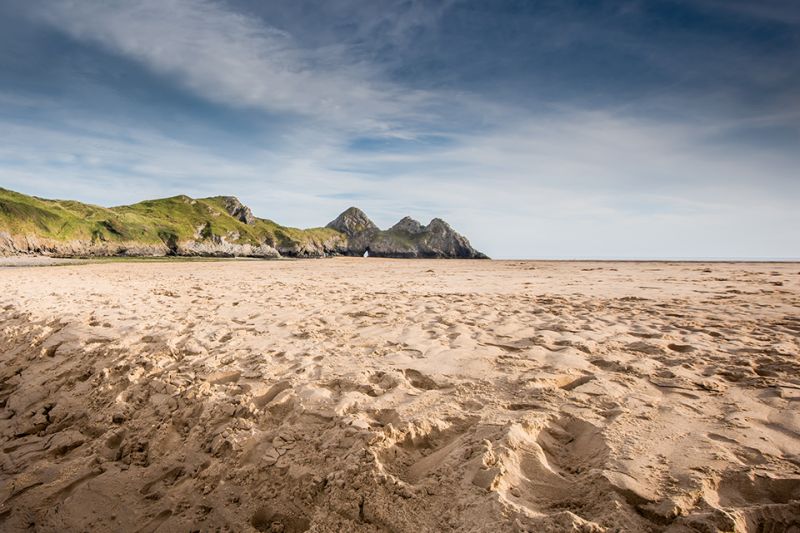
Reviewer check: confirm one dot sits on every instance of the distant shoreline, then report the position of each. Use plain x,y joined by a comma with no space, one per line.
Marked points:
22,260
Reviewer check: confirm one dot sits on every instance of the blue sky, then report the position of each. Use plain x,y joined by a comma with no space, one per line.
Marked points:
540,129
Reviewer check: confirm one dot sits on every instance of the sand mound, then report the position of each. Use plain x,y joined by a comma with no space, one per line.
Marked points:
378,395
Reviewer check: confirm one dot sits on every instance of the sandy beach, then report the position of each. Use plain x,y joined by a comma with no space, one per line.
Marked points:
388,395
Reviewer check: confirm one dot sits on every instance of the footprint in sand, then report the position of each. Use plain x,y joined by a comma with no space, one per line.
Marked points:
420,380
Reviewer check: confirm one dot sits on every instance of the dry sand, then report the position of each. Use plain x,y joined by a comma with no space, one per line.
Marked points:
381,395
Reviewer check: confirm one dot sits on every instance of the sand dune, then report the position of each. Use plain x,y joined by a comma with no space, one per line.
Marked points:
381,395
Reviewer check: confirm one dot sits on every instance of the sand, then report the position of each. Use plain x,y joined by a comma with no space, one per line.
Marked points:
391,395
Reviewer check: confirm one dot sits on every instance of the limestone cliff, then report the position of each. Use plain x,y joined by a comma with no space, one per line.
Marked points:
407,238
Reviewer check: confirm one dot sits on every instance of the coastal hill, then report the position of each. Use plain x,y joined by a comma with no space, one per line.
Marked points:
219,226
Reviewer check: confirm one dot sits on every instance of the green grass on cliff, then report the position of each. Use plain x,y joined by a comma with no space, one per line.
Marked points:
174,219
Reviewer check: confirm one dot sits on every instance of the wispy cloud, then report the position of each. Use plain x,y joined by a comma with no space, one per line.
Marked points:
236,60
537,188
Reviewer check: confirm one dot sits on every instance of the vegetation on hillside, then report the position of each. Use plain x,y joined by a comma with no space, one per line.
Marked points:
166,220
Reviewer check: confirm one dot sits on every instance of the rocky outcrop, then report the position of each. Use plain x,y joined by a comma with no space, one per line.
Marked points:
35,245
218,247
408,225
353,222
408,238
238,210
314,247
225,249
440,240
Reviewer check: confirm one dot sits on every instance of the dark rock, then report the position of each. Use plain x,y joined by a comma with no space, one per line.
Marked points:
407,238
408,225
238,210
353,222
440,240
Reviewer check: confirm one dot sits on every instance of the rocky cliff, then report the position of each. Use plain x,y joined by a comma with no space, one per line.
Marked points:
237,210
220,226
407,238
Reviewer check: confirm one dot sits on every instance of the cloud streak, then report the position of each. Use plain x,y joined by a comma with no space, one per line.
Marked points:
236,61
538,190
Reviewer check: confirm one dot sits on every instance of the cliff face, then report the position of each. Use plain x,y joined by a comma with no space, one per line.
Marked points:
238,210
407,238
219,227
31,244
409,225
353,222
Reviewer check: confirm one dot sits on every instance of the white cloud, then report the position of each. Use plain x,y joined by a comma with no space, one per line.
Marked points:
576,185
238,61
592,184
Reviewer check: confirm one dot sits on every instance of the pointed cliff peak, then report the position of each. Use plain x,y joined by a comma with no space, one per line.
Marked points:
409,225
437,225
444,241
238,210
352,222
